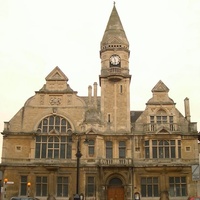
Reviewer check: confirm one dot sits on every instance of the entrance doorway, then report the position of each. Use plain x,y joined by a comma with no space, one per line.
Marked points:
115,190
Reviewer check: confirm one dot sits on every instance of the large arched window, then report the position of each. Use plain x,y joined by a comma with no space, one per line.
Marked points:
163,149
53,140
53,122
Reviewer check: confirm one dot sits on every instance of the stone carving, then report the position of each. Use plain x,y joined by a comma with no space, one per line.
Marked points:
41,99
69,100
55,101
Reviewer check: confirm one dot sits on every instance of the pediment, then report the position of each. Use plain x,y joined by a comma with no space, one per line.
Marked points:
56,74
163,130
160,87
160,95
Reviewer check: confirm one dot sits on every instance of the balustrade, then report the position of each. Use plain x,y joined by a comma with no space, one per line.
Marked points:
115,70
151,127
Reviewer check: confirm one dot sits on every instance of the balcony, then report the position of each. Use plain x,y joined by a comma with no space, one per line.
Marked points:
115,74
115,70
153,127
116,162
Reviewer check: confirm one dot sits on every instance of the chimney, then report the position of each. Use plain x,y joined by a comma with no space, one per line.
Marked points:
89,95
95,94
187,108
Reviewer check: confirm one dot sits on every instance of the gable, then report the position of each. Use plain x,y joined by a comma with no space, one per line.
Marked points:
160,87
56,74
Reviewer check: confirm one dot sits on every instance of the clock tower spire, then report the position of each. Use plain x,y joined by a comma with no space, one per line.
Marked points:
115,78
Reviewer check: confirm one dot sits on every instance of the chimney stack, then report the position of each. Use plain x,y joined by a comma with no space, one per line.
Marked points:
187,109
95,94
89,95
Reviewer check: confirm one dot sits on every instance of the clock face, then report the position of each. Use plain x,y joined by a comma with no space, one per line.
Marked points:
115,59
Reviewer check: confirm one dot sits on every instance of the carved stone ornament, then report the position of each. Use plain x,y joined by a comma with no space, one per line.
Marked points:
55,101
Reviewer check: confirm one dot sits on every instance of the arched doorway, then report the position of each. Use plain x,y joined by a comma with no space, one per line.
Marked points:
115,189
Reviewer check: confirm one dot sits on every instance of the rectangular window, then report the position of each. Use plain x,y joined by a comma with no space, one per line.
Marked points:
171,122
187,149
171,119
91,147
165,149
161,119
41,186
158,119
62,186
53,147
149,187
23,188
121,89
146,146
152,125
122,149
90,186
173,148
177,186
164,119
151,119
109,149
179,148
109,118
154,149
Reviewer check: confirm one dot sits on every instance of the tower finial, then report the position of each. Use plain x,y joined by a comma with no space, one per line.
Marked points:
114,3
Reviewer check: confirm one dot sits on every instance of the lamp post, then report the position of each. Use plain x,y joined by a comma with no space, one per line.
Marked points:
28,188
78,156
78,196
5,187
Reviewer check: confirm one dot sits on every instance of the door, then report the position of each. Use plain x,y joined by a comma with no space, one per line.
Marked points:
115,193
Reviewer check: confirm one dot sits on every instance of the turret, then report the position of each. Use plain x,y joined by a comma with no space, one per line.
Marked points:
114,51
115,77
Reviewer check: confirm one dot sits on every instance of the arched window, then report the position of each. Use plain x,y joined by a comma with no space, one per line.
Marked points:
163,149
53,122
53,140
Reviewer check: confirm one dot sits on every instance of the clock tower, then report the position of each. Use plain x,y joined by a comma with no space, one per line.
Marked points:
115,78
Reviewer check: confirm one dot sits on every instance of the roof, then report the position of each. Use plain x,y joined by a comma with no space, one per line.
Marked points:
135,115
114,33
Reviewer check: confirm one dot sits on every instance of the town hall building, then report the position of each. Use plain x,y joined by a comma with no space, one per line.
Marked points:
94,147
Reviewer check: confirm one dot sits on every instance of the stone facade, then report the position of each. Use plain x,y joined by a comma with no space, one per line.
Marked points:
128,155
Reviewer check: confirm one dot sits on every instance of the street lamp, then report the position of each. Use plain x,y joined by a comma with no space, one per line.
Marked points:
78,196
28,190
5,187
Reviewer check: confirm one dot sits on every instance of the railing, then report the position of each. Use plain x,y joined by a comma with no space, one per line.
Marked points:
166,161
70,162
116,161
115,70
151,127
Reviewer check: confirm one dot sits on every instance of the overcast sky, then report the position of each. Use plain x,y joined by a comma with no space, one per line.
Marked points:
38,35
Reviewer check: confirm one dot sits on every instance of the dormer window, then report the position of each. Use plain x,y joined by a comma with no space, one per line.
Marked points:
161,118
